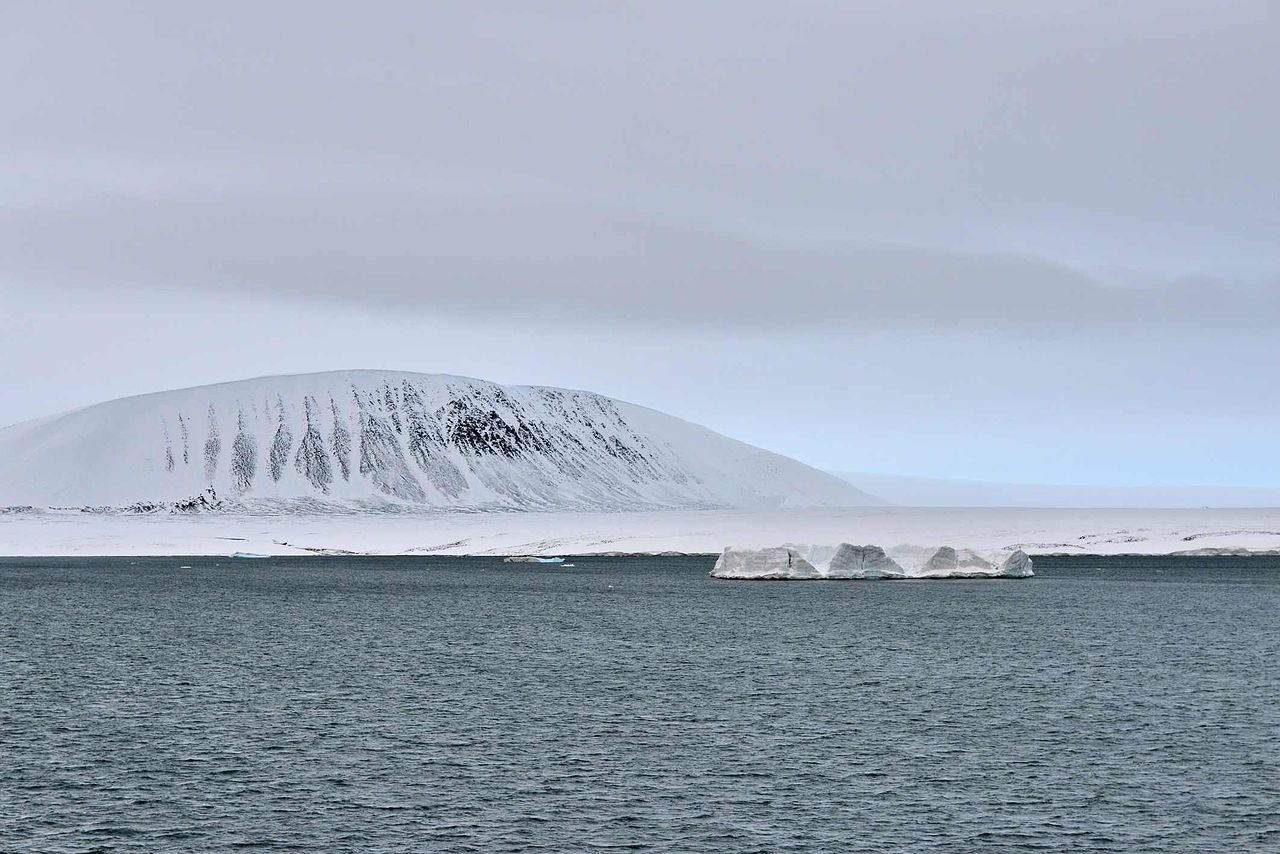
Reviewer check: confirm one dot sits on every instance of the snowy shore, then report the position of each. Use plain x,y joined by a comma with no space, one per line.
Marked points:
1035,531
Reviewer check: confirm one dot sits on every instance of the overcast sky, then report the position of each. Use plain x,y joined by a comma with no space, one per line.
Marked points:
1007,241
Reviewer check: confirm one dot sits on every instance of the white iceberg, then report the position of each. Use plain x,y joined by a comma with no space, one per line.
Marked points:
780,563
846,561
850,561
948,562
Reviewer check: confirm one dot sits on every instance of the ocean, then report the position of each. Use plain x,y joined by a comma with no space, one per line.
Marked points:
463,704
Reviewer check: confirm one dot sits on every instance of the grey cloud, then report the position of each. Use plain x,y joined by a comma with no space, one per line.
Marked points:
1138,124
548,259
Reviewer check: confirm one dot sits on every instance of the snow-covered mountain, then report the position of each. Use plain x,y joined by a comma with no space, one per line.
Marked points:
387,439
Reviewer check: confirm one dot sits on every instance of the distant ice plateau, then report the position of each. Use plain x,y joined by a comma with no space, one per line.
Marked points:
848,562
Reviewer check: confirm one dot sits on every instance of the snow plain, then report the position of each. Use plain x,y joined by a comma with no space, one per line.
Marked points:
1035,531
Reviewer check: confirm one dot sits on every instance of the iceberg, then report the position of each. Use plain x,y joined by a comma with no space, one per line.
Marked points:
780,563
849,561
793,562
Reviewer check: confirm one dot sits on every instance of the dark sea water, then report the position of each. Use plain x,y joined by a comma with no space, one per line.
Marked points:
434,704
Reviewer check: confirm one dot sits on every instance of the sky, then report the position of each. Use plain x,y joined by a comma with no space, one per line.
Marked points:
1022,241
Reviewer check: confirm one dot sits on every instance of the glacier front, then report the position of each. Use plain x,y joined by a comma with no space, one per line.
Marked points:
794,562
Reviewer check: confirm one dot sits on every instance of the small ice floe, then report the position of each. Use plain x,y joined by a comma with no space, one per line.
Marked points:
845,561
531,559
249,554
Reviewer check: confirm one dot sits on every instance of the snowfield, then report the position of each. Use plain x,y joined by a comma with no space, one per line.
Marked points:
704,532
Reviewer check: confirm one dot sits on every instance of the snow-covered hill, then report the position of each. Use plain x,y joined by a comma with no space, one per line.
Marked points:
389,439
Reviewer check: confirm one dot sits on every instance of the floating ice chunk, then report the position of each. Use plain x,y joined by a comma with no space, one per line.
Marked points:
948,562
940,561
851,561
779,563
1017,564
847,561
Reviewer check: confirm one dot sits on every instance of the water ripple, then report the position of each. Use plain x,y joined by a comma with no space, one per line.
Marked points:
634,705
